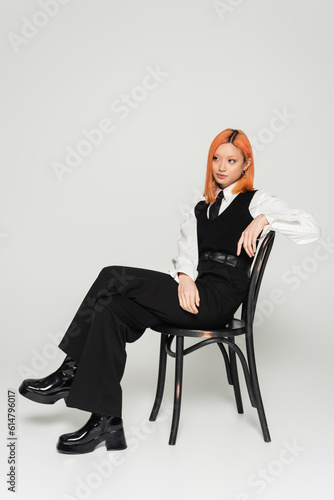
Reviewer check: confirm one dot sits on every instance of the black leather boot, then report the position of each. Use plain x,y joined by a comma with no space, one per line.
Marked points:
49,389
99,428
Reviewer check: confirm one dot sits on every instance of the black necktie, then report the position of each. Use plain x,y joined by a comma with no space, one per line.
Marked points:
214,209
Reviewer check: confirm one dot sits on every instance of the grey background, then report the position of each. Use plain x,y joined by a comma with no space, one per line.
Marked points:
239,65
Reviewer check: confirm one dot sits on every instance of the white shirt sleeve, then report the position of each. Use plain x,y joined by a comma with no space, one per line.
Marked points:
187,259
297,225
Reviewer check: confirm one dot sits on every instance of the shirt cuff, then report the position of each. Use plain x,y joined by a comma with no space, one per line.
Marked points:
187,269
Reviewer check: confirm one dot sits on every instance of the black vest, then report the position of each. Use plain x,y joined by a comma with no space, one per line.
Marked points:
223,233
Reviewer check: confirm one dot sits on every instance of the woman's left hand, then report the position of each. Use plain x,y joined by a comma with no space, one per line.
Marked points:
249,235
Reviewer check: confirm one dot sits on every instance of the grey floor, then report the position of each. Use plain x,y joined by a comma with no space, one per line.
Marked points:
218,455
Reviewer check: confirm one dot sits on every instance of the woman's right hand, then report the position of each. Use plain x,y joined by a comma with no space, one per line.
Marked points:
188,293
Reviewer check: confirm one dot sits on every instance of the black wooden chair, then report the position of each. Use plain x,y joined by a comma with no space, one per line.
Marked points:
225,336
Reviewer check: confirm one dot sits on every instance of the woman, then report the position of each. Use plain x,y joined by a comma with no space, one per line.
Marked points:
209,281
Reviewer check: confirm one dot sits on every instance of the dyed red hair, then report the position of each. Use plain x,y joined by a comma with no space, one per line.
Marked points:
239,139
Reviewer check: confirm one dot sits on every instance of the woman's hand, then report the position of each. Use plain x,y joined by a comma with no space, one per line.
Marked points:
249,235
188,293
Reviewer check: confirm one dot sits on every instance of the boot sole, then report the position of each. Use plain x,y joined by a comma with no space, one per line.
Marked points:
42,398
113,441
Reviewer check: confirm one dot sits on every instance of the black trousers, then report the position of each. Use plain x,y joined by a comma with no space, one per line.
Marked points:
122,302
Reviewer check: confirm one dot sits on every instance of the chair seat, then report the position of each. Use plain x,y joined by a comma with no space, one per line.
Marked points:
233,328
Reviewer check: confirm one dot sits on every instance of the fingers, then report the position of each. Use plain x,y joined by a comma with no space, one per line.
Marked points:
250,244
240,242
197,297
188,300
249,236
190,304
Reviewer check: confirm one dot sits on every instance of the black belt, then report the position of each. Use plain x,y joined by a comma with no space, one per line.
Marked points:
225,258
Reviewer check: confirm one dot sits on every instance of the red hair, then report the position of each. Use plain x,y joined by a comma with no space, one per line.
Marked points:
239,139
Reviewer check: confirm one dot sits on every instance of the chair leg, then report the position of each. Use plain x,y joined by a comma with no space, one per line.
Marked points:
235,379
256,388
161,378
227,362
260,410
177,389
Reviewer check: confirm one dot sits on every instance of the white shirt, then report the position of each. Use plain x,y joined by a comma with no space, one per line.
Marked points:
297,225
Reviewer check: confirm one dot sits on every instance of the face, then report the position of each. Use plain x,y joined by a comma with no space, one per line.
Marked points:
227,164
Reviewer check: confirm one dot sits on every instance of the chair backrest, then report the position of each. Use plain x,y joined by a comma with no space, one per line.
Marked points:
249,304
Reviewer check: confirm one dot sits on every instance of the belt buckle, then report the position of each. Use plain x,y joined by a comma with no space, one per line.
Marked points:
205,256
231,260
224,259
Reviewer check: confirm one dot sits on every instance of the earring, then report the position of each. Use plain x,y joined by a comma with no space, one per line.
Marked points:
244,172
